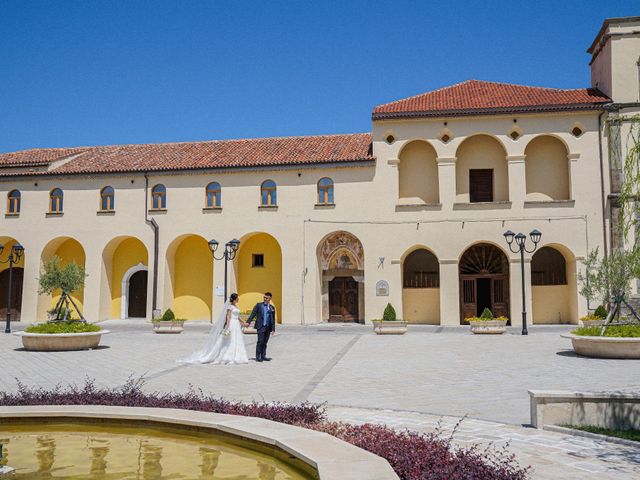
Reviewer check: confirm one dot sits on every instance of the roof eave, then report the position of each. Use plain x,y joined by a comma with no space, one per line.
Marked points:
488,111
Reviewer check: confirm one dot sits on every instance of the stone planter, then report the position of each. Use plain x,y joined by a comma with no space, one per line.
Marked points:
52,342
396,327
169,326
592,323
605,347
488,327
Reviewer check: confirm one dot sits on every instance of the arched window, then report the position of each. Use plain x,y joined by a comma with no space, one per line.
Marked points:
107,199
13,202
268,193
159,197
214,197
548,267
325,191
55,201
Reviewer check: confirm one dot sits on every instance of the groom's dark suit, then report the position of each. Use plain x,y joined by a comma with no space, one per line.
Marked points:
265,318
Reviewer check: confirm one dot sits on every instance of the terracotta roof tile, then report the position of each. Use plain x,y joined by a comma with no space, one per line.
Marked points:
251,153
478,97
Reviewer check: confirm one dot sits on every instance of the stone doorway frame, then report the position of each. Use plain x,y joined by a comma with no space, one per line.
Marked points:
124,299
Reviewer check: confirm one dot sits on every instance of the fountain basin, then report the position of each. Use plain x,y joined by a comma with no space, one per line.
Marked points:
323,456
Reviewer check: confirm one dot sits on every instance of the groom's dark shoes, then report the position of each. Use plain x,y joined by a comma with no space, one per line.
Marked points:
266,359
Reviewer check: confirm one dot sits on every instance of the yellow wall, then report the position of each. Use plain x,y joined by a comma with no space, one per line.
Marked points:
482,151
421,305
70,251
253,282
129,253
9,242
418,173
547,169
552,304
193,280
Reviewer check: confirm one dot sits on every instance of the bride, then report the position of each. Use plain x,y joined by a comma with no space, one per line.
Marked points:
225,344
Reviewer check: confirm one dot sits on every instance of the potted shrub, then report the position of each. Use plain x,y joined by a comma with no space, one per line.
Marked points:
486,323
168,323
595,319
62,331
389,325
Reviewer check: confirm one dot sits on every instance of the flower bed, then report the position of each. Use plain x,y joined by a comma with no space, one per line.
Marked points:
619,331
63,327
413,455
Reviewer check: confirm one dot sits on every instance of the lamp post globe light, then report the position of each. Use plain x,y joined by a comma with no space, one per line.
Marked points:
229,253
520,241
15,253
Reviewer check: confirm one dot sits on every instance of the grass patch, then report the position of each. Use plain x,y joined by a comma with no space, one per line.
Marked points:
63,327
626,434
627,331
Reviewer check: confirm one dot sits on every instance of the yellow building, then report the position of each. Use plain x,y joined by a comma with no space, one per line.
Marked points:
337,226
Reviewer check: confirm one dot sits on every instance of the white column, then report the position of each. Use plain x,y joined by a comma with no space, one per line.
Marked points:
29,311
449,293
91,301
447,181
573,174
517,179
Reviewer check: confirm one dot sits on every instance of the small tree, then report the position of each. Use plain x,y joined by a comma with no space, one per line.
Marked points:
67,279
389,314
487,314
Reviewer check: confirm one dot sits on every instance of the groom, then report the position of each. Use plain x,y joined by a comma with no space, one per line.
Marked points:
265,317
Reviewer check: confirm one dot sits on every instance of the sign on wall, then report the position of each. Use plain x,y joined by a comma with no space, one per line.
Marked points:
382,288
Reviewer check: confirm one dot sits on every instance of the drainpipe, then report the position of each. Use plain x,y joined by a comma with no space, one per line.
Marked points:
603,197
156,243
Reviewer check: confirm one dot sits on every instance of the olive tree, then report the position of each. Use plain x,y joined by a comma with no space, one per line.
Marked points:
67,279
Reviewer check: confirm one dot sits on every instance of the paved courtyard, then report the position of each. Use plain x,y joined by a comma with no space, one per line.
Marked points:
408,381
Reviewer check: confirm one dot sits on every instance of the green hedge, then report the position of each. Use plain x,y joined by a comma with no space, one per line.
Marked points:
63,327
628,331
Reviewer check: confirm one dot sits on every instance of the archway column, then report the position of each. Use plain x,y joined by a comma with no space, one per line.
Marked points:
30,285
573,173
449,292
517,179
447,181
515,289
93,269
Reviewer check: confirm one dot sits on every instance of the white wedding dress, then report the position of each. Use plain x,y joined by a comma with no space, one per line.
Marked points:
222,349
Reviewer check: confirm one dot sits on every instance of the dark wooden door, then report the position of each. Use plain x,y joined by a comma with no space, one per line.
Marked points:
343,300
138,295
16,293
468,296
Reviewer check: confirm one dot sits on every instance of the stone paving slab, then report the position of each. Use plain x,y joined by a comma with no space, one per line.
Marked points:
427,373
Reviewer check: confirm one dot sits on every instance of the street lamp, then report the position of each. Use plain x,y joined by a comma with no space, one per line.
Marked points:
15,253
520,241
230,250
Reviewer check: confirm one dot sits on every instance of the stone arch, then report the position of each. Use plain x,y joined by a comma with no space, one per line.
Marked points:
341,267
258,269
17,277
418,173
547,169
481,170
188,284
554,291
483,270
119,256
421,286
69,250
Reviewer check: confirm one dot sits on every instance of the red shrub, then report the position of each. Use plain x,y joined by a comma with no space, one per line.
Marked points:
413,455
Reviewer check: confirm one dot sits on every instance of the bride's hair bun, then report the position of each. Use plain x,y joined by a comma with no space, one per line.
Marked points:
233,297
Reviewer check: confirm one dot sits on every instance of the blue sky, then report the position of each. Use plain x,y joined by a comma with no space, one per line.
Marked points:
106,72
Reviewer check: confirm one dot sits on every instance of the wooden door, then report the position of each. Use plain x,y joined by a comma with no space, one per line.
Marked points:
500,296
468,300
138,295
16,293
343,300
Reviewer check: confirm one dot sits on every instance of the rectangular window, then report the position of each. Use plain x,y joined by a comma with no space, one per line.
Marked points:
481,185
257,260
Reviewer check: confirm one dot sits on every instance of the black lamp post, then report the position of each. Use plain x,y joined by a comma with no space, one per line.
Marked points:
15,253
521,240
230,250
